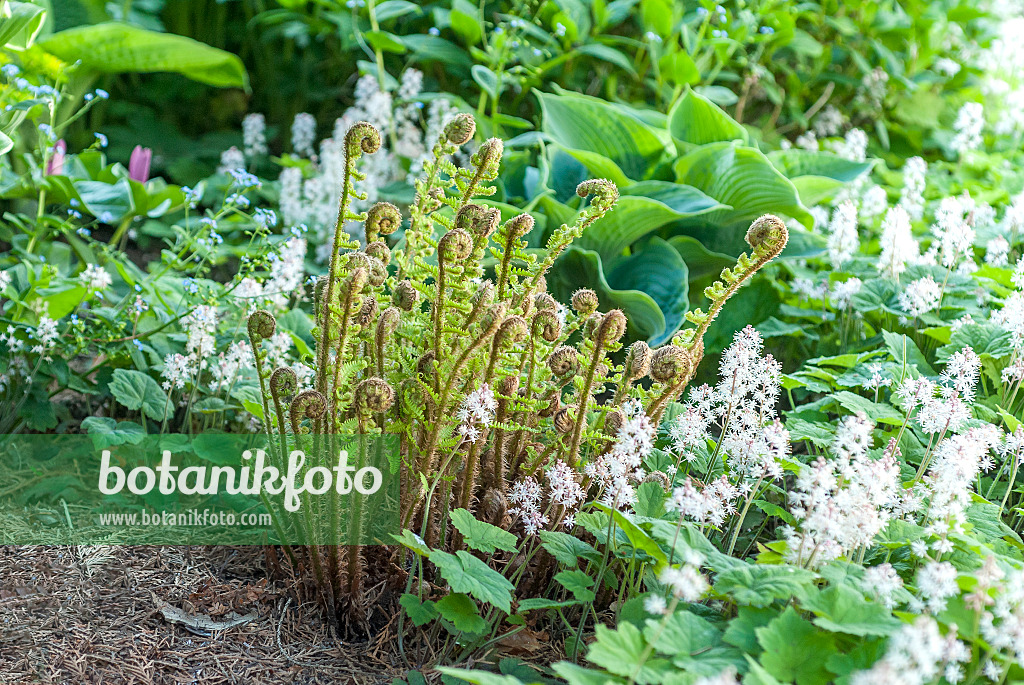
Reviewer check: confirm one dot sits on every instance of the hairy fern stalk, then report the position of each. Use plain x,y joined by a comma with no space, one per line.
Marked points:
405,333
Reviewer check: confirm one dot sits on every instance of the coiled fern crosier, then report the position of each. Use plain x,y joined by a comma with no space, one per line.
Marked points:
405,332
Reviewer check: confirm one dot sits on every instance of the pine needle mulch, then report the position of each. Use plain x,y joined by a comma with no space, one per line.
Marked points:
143,615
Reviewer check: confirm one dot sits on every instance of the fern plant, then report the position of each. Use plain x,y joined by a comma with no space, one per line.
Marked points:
486,380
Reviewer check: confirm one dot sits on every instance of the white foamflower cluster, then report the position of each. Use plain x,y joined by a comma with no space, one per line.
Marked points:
843,239
936,581
525,494
686,582
178,370
477,410
829,122
898,245
1002,622
254,135
954,232
853,146
920,296
200,325
915,170
709,505
231,364
873,201
95,278
565,491
918,653
617,470
231,160
997,251
970,121
752,439
883,583
843,292
303,134
955,465
842,503
45,336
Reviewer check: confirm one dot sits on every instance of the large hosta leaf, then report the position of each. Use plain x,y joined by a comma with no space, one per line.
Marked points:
578,122
695,120
817,175
632,219
651,286
745,180
115,48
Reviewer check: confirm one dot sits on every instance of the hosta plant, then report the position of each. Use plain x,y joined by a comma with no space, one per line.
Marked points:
511,409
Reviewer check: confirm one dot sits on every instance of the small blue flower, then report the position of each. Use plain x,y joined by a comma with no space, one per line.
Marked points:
766,30
138,344
702,12
102,94
83,231
74,202
434,31
138,288
10,70
101,139
106,217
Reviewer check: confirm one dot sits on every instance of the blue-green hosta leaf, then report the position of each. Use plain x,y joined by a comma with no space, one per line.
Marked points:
817,175
704,265
480,535
599,166
584,123
745,180
137,391
684,199
651,286
465,573
695,120
635,216
116,48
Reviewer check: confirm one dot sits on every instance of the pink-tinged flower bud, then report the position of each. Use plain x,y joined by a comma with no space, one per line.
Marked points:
55,164
138,164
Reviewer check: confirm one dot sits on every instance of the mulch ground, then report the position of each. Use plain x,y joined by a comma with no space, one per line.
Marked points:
142,615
